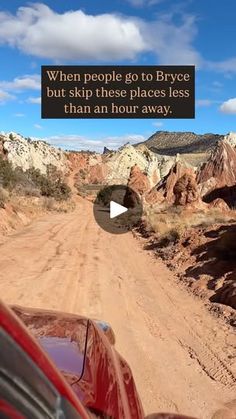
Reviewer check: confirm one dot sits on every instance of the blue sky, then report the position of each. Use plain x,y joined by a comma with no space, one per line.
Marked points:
143,32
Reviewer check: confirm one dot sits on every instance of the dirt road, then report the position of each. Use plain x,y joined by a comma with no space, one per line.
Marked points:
182,358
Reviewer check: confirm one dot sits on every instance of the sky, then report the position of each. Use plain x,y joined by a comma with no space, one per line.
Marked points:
135,32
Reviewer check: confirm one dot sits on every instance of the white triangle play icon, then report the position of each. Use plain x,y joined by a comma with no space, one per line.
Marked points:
116,209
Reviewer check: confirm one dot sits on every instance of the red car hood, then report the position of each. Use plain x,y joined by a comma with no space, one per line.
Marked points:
98,375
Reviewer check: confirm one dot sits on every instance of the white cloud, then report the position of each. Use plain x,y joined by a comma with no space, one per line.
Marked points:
39,31
4,96
229,106
226,66
157,124
22,83
19,115
203,102
138,3
74,35
77,142
35,100
173,43
217,84
38,126
206,102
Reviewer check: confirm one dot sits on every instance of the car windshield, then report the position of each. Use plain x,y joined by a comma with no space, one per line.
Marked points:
65,353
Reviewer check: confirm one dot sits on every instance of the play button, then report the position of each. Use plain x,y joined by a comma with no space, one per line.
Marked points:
117,209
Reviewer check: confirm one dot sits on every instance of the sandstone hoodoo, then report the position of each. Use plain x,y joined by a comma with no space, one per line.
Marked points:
185,190
138,180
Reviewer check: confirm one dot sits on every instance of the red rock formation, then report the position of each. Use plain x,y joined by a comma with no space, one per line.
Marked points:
86,169
226,194
154,197
226,294
185,190
138,181
219,170
77,161
97,173
219,204
164,190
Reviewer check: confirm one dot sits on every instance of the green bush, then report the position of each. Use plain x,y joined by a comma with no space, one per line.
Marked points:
33,182
50,185
8,178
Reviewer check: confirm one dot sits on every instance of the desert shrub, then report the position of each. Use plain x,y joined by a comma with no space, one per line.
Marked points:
25,184
169,225
32,182
48,204
82,174
58,190
170,237
163,220
208,218
4,197
8,177
62,206
27,190
51,184
81,190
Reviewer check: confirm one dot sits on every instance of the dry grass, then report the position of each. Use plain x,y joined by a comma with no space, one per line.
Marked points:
169,223
50,204
39,205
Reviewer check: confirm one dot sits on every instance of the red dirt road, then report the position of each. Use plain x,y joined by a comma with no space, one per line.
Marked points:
182,358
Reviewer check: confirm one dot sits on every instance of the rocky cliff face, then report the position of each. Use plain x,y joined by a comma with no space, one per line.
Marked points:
220,169
231,138
86,168
226,294
120,163
26,153
82,167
